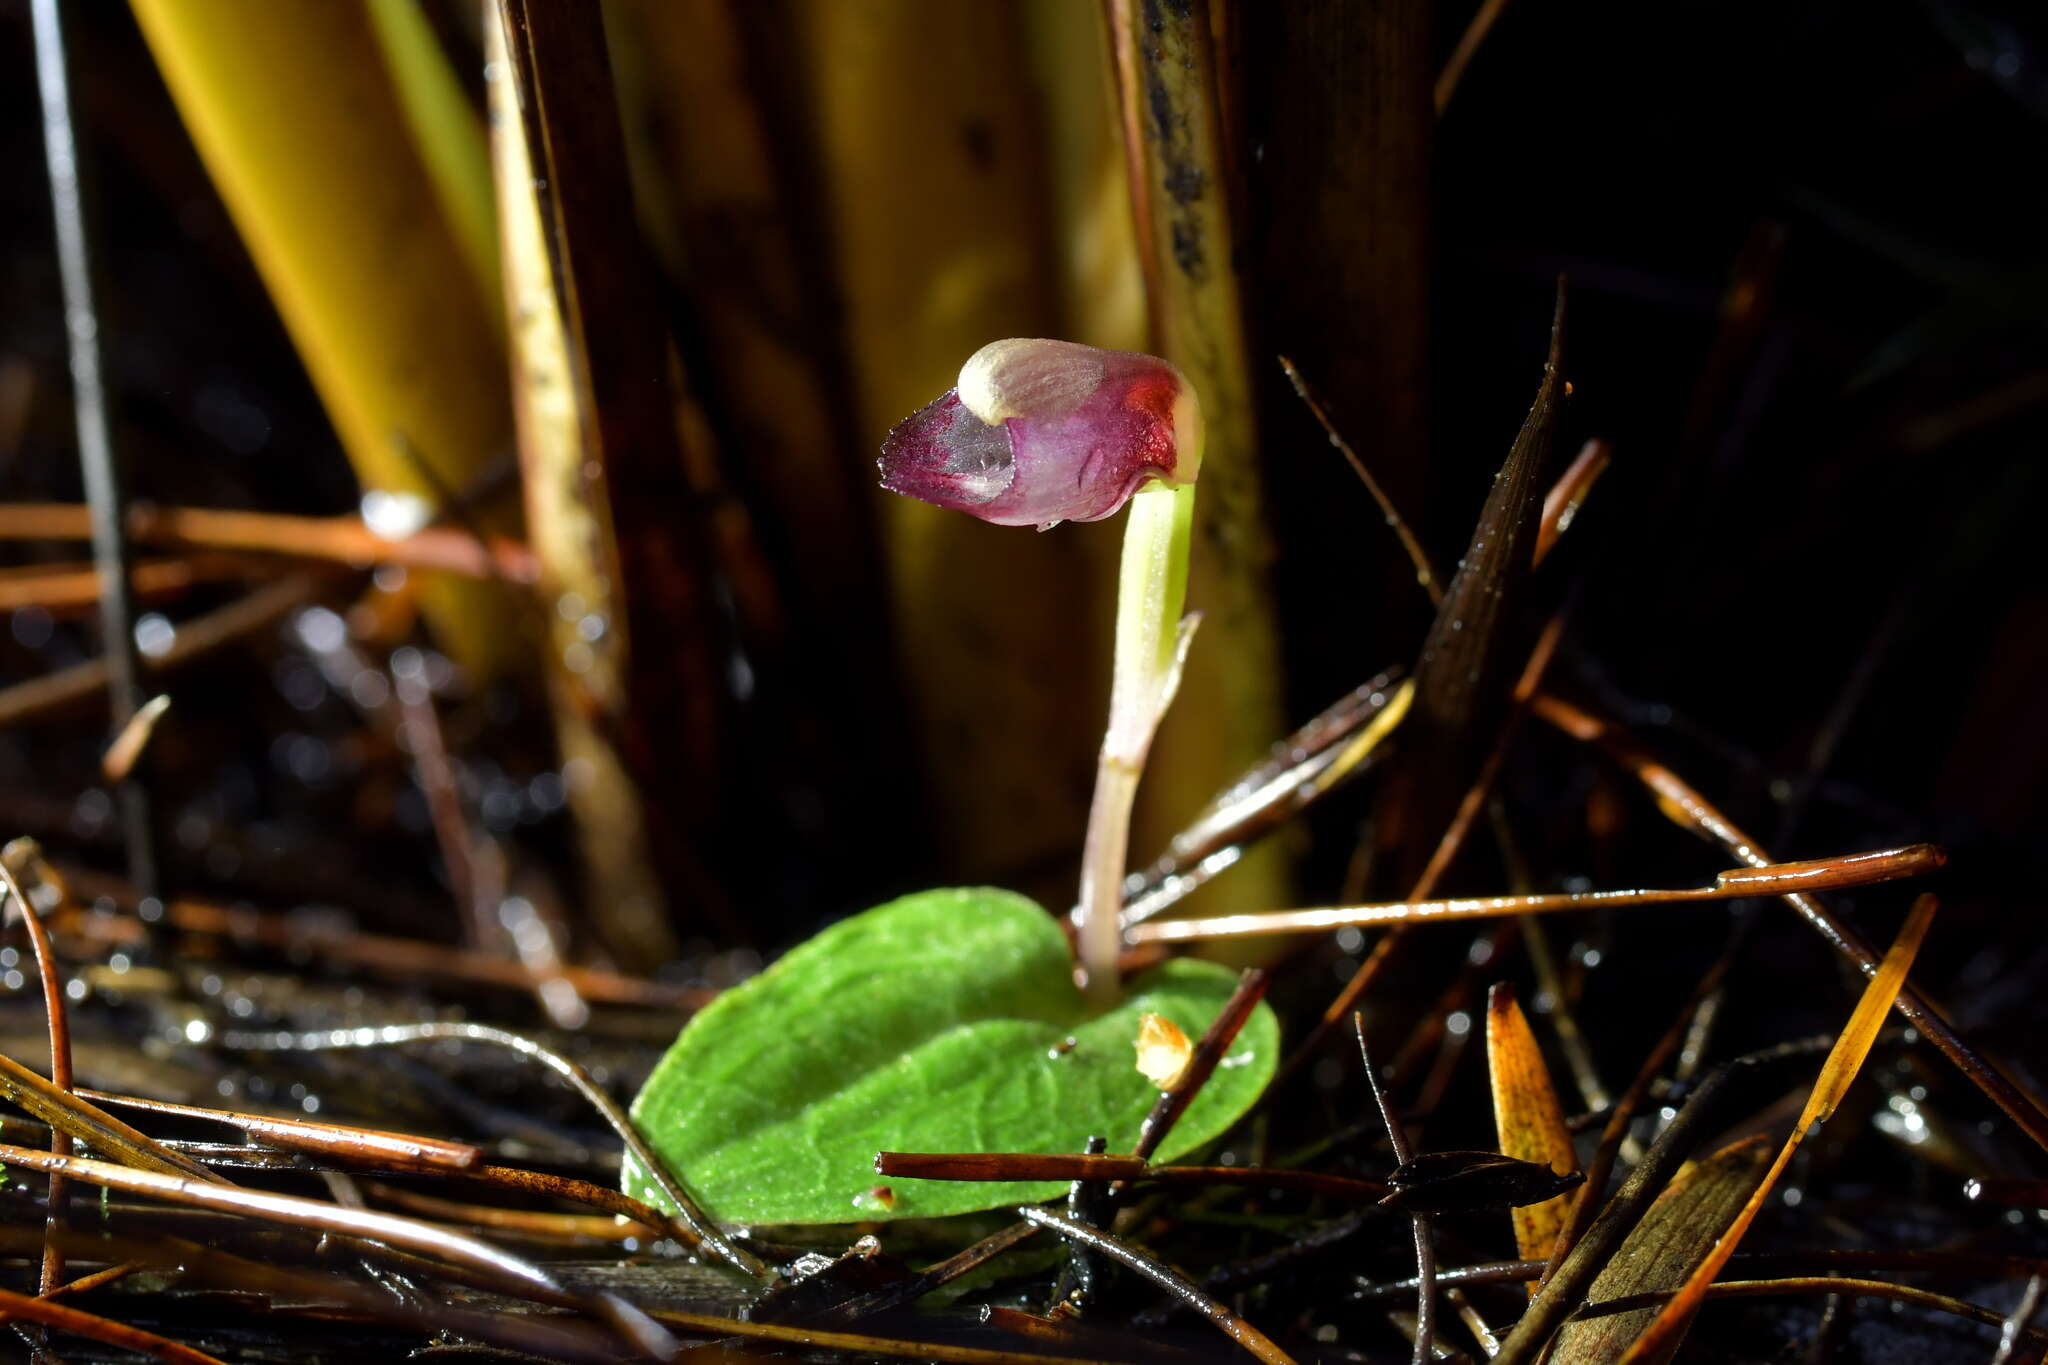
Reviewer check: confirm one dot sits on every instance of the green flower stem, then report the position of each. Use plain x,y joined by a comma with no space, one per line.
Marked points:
1150,643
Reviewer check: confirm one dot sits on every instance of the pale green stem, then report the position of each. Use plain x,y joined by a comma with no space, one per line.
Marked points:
1151,589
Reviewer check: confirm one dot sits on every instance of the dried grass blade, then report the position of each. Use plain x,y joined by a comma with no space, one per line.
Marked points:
88,1123
1674,1237
1527,1116
1663,1334
1465,674
364,1145
292,1210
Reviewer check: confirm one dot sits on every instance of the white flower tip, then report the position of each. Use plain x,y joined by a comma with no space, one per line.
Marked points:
1028,376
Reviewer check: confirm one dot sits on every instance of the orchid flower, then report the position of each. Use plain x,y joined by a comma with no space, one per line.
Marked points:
1038,432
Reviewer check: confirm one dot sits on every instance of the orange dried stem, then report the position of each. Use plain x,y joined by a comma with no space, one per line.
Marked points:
1819,874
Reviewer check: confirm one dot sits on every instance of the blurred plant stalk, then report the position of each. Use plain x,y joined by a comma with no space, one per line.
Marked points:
317,149
931,190
621,761
718,185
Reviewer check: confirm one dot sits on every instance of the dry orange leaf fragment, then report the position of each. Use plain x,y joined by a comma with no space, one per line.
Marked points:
1528,1117
1163,1051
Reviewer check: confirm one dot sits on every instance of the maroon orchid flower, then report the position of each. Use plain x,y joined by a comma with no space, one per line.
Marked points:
1038,432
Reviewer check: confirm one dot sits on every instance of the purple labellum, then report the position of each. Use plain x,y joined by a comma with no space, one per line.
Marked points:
1039,432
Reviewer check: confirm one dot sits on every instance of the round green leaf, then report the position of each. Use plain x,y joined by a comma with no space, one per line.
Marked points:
936,1023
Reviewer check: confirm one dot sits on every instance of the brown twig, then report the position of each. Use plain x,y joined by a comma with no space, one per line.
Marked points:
63,588
536,1222
1425,572
1468,46
35,698
574,1191
1817,874
1561,504
371,1146
1081,1166
420,725
401,958
343,540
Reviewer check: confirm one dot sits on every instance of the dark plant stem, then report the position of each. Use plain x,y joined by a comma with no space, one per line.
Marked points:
84,326
1425,1249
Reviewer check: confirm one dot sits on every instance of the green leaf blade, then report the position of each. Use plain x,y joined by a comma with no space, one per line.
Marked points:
938,1022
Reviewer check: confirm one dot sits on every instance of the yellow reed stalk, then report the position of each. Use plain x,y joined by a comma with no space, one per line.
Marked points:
446,130
300,125
933,196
